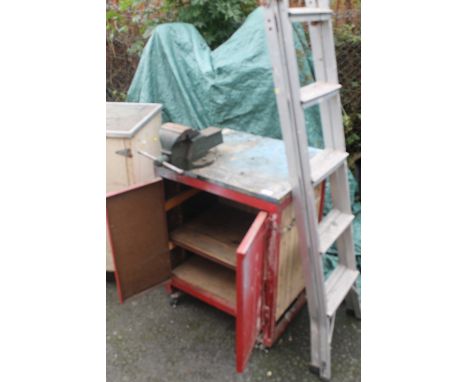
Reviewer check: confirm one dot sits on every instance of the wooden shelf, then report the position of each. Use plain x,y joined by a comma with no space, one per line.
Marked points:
208,281
215,234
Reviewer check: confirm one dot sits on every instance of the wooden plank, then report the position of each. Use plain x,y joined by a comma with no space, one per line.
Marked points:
290,275
209,278
180,198
215,234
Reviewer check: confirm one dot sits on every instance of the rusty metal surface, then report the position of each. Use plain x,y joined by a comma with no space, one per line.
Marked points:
249,164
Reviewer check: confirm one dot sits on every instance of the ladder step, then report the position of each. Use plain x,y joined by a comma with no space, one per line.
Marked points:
337,287
309,14
317,91
331,228
325,163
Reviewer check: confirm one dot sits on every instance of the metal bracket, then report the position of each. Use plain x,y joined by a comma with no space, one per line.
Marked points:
125,152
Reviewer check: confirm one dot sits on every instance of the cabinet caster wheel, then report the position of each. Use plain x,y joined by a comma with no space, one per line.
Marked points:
174,302
264,350
174,299
260,346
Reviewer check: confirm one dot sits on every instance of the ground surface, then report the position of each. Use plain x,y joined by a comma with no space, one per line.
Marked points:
149,341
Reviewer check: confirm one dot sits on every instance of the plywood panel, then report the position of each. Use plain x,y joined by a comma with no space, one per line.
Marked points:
139,238
290,276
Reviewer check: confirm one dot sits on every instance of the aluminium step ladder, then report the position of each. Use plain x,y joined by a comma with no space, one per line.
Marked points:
323,296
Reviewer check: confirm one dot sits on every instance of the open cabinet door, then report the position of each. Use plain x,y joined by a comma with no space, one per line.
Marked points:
136,222
249,288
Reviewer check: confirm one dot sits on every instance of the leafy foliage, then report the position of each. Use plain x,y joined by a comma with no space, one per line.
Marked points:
216,20
129,24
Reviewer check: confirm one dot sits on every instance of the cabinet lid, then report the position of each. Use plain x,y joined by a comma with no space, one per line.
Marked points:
125,119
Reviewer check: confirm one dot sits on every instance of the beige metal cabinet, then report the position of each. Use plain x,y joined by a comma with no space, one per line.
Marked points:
130,127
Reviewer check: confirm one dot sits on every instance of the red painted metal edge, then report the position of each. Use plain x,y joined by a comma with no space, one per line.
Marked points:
168,287
249,285
203,295
221,191
252,234
271,276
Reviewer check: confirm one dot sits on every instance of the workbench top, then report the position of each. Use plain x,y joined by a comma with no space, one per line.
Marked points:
249,164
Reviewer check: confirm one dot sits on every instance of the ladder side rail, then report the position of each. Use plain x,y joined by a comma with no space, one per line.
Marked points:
345,246
318,57
294,135
345,243
325,65
331,75
323,45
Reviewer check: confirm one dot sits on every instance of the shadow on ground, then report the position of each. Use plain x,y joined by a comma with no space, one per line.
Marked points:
149,341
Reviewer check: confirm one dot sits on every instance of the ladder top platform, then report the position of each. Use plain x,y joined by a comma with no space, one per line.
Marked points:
249,164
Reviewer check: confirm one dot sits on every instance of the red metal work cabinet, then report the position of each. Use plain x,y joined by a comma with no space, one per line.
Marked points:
223,233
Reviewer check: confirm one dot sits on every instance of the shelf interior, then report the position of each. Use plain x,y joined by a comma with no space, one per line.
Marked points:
215,234
209,278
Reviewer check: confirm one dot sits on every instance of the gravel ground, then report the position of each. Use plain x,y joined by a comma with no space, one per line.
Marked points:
149,341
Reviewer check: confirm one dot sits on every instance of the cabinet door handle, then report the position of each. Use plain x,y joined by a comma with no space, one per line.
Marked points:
161,161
